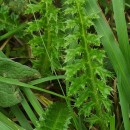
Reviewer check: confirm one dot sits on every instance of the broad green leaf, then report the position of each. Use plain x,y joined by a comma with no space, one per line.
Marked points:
10,94
11,69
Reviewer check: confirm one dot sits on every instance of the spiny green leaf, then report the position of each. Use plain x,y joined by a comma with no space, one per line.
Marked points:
56,118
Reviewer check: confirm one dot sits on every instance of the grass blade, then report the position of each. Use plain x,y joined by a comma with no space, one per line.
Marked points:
4,126
14,31
121,27
16,82
124,105
41,80
10,123
29,111
21,117
33,100
112,123
110,44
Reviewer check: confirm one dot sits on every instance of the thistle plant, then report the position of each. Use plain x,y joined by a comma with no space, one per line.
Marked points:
45,39
84,66
57,117
49,30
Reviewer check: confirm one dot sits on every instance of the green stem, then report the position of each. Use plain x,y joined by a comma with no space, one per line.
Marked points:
14,31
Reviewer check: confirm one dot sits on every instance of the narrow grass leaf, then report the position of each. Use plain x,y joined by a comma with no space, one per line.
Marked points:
10,123
33,100
50,78
124,104
21,117
110,44
14,31
121,28
4,126
18,83
112,123
29,111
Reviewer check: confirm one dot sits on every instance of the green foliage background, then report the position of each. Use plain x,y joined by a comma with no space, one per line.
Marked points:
63,49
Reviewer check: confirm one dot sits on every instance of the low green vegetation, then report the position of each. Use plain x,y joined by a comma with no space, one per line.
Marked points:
64,65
